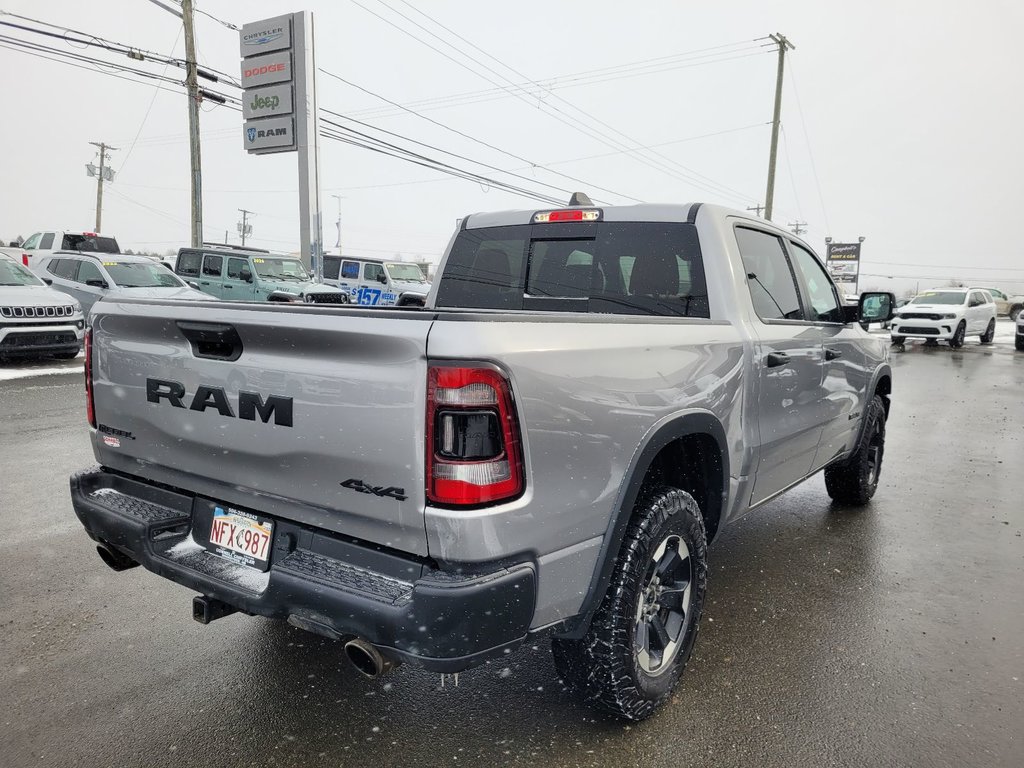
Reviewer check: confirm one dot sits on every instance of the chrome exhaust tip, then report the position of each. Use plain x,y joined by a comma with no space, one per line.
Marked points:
367,660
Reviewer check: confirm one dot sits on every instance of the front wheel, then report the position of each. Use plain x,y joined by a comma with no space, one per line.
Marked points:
1014,311
855,480
643,633
990,332
898,340
958,337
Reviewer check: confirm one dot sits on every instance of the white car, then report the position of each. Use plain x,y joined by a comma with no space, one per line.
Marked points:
49,242
949,314
34,318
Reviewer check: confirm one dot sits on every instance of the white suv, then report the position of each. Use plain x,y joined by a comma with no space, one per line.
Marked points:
950,314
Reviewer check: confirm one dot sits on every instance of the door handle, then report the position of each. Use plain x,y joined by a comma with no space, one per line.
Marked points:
777,359
204,282
227,287
832,354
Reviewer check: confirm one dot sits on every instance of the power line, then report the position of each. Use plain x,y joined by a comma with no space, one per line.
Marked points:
514,156
152,101
595,134
810,153
572,106
492,94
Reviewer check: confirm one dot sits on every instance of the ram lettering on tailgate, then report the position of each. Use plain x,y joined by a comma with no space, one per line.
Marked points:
249,403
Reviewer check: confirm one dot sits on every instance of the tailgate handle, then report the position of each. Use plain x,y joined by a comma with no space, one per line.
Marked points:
212,341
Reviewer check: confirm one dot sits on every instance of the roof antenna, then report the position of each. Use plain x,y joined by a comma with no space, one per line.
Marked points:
580,198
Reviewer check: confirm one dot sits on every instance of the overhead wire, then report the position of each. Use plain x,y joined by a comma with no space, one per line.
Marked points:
681,172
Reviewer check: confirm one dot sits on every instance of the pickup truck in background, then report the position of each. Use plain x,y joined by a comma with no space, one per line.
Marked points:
47,243
590,395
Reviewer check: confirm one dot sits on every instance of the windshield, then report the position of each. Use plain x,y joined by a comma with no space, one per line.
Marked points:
408,272
140,275
90,244
15,274
939,297
280,269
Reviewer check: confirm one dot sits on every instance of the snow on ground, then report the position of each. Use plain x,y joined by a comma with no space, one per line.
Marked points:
23,369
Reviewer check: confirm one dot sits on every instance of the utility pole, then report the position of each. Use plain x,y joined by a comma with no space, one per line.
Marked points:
192,86
244,227
756,209
338,222
798,227
769,197
100,173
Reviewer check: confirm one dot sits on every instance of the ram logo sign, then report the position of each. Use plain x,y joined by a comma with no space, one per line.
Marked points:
271,133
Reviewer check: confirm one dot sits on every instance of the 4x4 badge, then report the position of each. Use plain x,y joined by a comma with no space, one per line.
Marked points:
388,492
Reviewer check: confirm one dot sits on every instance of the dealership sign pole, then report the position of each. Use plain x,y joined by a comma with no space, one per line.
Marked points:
280,111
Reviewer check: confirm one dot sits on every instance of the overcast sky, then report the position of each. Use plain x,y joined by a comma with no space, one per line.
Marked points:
901,122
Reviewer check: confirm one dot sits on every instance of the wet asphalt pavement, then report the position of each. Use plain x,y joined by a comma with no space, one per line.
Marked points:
888,636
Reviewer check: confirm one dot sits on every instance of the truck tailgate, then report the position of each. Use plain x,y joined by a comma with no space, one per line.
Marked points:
352,457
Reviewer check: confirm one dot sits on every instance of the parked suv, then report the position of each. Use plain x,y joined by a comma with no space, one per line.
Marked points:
377,283
46,243
91,277
949,314
34,318
237,274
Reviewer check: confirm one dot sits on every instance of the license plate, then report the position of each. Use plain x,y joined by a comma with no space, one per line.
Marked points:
241,537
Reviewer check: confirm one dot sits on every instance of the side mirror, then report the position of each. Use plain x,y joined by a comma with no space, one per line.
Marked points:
96,282
192,284
875,308
381,277
246,275
48,281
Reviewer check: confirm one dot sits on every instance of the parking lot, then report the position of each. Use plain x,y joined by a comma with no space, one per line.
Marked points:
890,636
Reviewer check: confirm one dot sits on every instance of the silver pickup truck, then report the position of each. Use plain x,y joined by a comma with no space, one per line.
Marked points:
545,449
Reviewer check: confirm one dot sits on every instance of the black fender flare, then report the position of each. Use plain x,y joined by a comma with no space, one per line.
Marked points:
699,423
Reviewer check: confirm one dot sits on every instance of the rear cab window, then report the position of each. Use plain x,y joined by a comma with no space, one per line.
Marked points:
188,264
87,243
633,268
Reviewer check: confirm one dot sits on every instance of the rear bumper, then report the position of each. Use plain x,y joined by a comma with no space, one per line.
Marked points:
443,621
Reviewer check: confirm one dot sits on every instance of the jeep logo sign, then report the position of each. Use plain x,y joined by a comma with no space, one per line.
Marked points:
270,101
267,70
273,132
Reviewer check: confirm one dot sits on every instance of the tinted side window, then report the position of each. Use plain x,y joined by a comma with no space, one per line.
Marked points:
484,269
212,265
188,264
47,242
236,267
372,272
66,268
824,304
332,267
87,270
770,279
350,270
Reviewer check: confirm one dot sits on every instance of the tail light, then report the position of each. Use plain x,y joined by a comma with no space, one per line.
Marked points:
24,259
473,451
90,409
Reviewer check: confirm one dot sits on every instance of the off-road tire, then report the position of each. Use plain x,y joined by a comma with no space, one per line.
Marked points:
603,668
854,480
957,339
990,332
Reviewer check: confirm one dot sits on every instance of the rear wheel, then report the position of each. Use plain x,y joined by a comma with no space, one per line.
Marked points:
644,631
855,480
990,332
957,339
